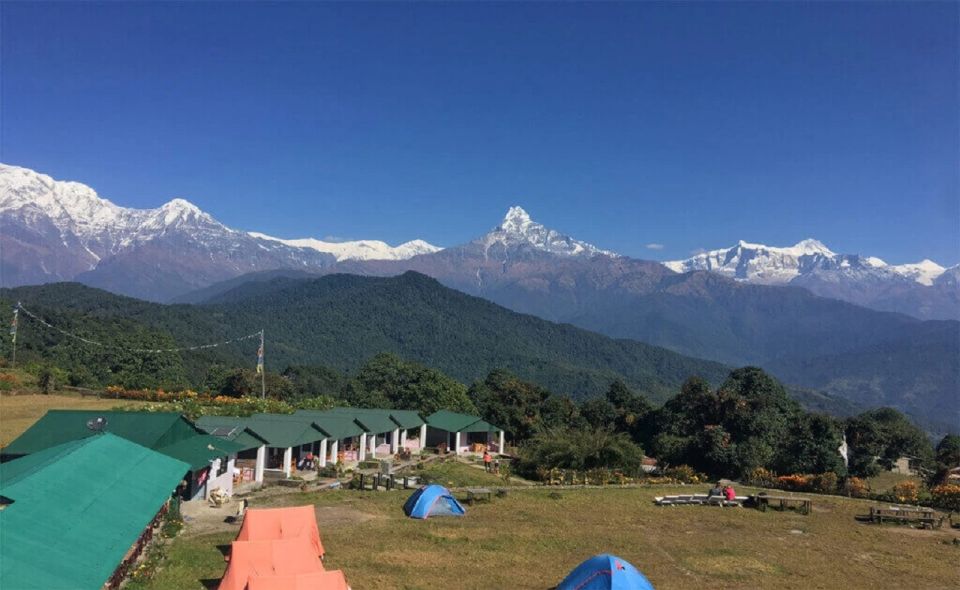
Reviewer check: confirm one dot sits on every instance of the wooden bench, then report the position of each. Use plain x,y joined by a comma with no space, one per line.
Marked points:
925,517
782,503
479,495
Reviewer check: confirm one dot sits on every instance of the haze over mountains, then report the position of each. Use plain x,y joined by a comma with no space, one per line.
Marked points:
751,304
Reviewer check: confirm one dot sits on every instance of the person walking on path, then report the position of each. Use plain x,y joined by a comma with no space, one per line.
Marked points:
487,461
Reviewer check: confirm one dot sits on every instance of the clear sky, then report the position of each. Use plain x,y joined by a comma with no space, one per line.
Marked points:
686,125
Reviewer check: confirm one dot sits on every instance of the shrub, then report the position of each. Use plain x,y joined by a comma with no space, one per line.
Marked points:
684,474
825,483
907,492
856,487
946,496
762,478
796,482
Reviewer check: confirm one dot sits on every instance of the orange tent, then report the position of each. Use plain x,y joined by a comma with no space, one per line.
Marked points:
253,559
268,524
332,580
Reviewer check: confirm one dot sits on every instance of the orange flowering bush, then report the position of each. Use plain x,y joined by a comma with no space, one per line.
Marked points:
796,482
856,487
906,491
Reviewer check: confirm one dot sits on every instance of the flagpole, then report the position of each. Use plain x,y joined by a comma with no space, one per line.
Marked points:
16,313
263,371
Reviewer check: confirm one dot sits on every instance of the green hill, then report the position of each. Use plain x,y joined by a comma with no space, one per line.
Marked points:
337,321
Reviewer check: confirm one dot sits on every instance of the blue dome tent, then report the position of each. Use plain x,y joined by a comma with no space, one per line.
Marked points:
432,500
605,572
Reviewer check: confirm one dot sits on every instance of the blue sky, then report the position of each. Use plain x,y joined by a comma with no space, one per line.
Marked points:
687,125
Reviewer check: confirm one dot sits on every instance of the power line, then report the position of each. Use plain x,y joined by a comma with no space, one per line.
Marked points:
30,314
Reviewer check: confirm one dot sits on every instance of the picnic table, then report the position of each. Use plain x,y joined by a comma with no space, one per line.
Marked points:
925,517
479,495
803,505
698,500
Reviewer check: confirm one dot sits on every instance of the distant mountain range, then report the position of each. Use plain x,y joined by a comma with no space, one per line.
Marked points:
727,311
925,289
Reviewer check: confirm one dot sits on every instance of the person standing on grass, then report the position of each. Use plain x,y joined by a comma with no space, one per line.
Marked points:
487,460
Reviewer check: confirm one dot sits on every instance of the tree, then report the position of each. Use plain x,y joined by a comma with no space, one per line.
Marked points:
388,381
877,438
948,451
599,413
812,446
510,403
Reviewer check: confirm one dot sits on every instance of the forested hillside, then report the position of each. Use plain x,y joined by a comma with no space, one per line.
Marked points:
337,321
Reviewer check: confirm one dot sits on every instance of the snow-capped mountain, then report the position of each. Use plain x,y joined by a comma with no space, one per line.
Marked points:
358,249
518,230
58,231
866,280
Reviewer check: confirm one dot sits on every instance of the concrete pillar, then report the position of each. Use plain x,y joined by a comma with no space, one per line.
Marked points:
287,459
372,445
231,463
423,437
503,449
403,438
362,456
322,455
395,441
334,451
456,443
261,463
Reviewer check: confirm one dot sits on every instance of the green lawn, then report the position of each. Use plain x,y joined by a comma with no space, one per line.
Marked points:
532,537
456,474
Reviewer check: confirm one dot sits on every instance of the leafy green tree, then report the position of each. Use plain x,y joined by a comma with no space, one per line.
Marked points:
388,379
599,413
558,412
510,403
948,450
312,381
811,446
877,438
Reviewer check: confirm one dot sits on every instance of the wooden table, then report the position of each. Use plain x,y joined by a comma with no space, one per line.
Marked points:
804,505
478,495
905,515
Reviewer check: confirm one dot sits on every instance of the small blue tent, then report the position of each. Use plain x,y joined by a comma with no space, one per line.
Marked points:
605,572
432,500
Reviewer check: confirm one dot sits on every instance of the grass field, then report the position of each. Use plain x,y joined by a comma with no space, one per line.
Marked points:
532,537
19,412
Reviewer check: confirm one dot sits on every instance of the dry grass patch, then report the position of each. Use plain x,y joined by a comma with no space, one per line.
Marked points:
530,540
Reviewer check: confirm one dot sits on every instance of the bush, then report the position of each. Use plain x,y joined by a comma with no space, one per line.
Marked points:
684,474
762,478
825,483
946,496
856,487
906,492
796,482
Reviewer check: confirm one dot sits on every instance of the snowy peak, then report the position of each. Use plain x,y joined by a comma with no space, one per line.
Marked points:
924,272
758,263
357,249
518,230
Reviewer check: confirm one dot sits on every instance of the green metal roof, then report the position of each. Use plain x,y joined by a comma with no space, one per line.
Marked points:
196,451
407,418
150,429
336,426
372,421
77,508
457,422
232,428
285,430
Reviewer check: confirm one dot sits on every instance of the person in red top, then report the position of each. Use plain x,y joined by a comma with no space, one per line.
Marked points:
487,460
729,494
